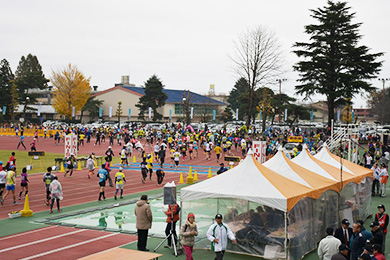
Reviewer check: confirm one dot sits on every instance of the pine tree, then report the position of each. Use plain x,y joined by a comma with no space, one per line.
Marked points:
6,81
119,112
240,89
333,63
154,97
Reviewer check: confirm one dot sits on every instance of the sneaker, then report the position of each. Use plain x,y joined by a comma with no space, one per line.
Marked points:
46,202
15,202
142,179
121,197
59,210
166,246
2,202
20,198
115,197
51,211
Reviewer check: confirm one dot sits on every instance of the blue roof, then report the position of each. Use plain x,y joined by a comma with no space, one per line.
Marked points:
176,96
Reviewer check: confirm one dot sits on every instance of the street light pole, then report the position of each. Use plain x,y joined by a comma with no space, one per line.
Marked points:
383,98
280,96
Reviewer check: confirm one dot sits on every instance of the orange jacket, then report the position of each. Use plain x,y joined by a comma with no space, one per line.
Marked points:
176,214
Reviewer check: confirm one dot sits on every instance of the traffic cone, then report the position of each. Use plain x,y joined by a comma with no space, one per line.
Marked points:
231,166
210,175
196,176
110,163
190,172
95,163
26,212
181,181
79,166
62,167
134,160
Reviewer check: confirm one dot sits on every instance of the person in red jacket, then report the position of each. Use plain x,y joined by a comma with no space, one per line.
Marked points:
176,209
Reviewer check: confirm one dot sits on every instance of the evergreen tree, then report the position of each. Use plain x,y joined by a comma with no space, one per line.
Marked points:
240,89
119,112
154,97
29,75
6,81
92,106
227,115
333,63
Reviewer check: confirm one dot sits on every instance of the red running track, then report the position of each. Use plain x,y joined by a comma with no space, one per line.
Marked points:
79,189
56,242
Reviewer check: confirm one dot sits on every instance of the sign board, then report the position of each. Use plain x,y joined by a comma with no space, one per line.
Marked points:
36,153
70,145
295,139
229,158
259,151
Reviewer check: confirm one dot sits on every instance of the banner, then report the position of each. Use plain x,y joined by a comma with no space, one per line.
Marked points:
192,112
259,151
73,111
129,113
285,115
39,110
338,115
261,114
150,112
100,112
110,112
311,115
70,145
214,114
170,113
4,110
353,116
236,114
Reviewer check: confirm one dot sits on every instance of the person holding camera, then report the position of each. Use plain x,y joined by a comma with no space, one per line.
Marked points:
171,220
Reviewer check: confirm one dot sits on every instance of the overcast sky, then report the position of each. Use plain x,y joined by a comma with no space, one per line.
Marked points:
185,43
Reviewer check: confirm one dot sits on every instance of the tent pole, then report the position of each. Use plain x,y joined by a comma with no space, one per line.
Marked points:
286,242
181,215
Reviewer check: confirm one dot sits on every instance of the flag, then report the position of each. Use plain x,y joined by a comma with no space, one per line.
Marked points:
192,112
150,112
129,113
236,114
110,112
100,112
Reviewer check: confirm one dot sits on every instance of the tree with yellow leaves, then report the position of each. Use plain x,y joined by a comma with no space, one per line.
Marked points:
71,89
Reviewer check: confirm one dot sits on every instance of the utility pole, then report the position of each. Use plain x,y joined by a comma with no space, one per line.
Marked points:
280,96
383,98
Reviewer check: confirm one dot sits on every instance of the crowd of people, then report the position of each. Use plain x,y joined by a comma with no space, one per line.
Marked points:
356,242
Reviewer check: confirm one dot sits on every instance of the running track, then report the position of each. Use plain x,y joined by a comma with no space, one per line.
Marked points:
56,242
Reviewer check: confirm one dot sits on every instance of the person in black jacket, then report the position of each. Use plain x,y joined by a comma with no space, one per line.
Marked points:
344,233
383,219
376,233
358,241
342,254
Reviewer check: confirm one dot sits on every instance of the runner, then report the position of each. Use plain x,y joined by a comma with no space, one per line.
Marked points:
23,183
176,156
55,189
47,179
160,176
3,175
124,156
119,179
10,184
144,169
21,142
70,164
90,166
33,146
102,175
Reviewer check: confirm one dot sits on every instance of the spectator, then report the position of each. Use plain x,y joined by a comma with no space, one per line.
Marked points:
218,234
188,231
342,254
144,220
376,233
377,248
357,242
328,246
383,219
344,232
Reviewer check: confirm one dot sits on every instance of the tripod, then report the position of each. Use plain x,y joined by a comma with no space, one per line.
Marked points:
171,235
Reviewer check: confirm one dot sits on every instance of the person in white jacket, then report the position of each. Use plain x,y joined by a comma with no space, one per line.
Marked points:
218,235
328,246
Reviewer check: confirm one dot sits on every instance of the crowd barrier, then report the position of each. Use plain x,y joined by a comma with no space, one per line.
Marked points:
26,132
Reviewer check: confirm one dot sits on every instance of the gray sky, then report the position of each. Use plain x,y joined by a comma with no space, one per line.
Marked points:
186,43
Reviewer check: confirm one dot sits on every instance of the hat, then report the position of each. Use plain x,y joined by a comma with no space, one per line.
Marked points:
120,169
218,216
1,162
221,164
374,224
381,206
369,248
190,215
365,257
343,247
345,222
109,147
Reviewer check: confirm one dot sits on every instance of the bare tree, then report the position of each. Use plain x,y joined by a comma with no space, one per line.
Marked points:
258,59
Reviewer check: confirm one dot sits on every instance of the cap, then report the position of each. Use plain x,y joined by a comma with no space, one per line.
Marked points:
120,169
1,162
369,248
218,216
365,257
190,215
109,147
343,247
345,222
221,164
381,206
374,224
